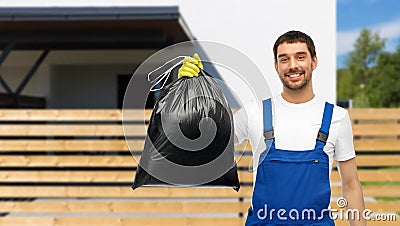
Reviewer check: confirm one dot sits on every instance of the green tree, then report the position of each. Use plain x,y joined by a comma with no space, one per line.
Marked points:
367,49
345,87
353,83
384,86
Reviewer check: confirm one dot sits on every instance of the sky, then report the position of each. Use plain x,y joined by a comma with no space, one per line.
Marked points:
377,15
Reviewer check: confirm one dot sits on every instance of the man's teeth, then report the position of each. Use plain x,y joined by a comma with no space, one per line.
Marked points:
294,75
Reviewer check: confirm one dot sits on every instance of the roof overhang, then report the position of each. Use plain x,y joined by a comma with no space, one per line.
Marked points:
57,28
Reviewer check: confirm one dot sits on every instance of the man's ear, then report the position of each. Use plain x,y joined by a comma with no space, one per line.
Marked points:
276,66
314,62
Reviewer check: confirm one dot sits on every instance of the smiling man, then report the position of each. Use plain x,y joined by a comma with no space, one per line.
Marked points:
303,135
294,64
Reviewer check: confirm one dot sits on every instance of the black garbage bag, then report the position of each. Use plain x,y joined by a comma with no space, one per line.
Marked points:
189,140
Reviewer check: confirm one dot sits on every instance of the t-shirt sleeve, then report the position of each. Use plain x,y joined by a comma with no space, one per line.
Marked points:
240,125
344,147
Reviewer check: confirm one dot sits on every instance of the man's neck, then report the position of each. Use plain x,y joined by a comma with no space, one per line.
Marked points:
297,96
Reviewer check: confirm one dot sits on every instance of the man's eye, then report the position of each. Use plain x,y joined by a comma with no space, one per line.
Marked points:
283,59
300,57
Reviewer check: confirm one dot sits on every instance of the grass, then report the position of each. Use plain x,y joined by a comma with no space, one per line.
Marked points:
380,183
387,199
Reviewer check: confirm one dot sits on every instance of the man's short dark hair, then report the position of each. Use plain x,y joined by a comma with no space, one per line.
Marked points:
292,37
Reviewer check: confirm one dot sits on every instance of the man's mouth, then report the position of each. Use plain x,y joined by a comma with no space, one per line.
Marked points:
294,75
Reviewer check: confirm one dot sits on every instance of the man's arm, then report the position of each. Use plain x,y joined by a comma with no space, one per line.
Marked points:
352,190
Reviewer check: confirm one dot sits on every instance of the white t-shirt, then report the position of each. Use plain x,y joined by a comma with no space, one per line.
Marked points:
295,128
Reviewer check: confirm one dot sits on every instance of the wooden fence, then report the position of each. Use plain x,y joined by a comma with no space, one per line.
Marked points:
73,167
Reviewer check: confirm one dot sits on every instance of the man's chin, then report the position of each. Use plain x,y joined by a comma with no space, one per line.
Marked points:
295,86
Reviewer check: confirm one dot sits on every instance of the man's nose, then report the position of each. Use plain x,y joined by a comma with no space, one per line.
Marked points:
293,64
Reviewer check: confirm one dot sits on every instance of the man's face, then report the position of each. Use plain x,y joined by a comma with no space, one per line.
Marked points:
295,65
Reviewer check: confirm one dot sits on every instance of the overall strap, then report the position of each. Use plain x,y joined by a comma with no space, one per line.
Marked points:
326,123
267,118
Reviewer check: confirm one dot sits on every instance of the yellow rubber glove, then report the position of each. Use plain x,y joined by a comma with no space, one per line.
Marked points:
191,67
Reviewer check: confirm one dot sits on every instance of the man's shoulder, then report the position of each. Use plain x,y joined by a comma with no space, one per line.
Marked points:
338,111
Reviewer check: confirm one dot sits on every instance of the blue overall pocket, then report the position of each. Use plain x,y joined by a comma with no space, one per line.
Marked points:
293,188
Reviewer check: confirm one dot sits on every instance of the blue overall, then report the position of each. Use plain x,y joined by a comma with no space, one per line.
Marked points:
292,187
